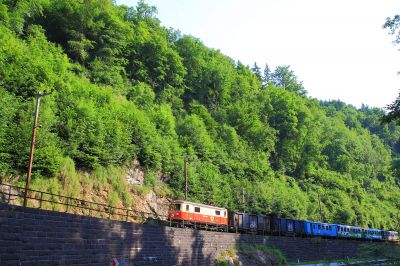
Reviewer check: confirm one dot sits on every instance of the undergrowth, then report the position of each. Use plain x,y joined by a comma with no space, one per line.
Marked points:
85,184
379,251
252,254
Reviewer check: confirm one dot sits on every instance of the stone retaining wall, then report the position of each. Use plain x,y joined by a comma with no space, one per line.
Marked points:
38,237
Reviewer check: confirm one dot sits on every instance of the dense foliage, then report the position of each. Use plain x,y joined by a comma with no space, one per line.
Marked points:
125,88
393,25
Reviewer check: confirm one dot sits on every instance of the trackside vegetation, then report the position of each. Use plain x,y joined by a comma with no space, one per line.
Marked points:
124,88
253,254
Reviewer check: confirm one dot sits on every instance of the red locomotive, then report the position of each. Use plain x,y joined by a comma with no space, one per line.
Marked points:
194,213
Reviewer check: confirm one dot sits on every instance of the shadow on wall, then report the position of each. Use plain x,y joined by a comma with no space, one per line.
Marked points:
198,250
142,244
37,237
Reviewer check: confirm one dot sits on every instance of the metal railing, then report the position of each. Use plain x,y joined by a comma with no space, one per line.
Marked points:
14,195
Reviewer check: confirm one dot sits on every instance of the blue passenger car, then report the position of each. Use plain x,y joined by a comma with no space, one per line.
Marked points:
372,234
320,229
348,231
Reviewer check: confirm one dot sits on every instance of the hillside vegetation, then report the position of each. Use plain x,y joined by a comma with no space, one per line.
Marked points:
125,88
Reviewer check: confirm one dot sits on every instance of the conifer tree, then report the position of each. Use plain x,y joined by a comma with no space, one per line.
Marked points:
257,71
267,75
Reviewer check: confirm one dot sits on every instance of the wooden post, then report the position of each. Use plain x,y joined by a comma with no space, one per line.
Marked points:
320,209
186,179
35,125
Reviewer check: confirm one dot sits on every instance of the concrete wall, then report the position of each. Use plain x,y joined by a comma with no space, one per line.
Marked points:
37,237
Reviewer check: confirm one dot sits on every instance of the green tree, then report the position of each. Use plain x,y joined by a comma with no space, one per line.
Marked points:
266,75
257,71
284,77
393,25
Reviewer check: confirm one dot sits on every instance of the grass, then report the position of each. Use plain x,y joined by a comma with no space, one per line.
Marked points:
256,254
367,252
379,251
106,185
223,259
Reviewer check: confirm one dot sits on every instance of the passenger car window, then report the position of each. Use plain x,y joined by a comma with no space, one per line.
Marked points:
217,212
187,207
196,209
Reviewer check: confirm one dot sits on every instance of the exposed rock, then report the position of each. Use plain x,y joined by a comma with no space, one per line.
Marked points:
158,206
135,174
8,194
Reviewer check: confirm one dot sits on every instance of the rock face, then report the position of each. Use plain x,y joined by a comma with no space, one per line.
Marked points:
146,201
7,194
152,204
135,174
157,205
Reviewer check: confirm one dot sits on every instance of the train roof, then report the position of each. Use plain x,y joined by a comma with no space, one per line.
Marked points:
342,225
349,226
197,204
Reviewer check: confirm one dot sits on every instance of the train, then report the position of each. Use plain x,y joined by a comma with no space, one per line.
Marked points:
190,214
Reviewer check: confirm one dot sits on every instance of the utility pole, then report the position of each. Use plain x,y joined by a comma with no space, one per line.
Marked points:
186,178
243,199
320,209
35,125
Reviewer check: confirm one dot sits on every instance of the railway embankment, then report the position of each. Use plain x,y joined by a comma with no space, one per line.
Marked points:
31,236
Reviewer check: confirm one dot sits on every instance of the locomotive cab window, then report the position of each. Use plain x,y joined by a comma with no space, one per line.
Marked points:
176,207
224,213
217,212
187,207
196,209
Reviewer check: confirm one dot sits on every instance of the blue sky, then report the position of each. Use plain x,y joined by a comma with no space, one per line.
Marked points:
337,48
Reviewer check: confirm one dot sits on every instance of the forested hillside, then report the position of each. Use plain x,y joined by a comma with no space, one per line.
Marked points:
125,88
